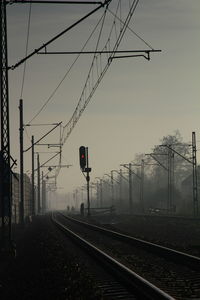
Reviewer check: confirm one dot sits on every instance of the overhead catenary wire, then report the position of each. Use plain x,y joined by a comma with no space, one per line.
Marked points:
84,99
57,171
44,45
70,125
79,54
136,34
48,160
91,86
26,49
66,74
29,138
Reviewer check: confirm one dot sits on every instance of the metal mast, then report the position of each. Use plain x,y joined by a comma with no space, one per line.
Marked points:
21,140
33,175
194,173
5,171
38,173
142,186
170,204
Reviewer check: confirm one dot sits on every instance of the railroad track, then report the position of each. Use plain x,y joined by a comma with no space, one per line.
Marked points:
168,253
128,284
177,273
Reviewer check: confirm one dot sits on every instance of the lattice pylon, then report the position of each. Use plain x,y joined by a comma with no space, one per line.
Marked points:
5,171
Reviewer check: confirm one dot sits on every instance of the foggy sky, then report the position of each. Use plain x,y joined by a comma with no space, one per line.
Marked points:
136,104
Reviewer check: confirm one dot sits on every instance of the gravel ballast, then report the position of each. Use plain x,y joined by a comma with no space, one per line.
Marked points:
45,267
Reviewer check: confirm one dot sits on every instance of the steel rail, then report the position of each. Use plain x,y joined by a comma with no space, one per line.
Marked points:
135,283
173,255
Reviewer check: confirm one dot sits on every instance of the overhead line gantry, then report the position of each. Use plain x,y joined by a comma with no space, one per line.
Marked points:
5,158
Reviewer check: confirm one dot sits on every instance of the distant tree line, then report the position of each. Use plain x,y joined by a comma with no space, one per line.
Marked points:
161,181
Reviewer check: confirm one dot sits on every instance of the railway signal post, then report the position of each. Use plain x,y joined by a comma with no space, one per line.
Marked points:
84,164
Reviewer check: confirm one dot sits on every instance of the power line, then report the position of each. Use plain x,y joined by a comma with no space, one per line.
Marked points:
83,98
27,134
91,86
93,60
136,34
26,50
44,46
114,39
66,74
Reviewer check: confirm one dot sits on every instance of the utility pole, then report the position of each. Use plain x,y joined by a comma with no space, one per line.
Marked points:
153,156
130,188
101,193
33,143
33,174
169,202
88,180
120,184
130,172
43,194
76,199
94,199
141,178
21,129
194,174
91,193
112,187
100,188
170,181
112,183
97,195
38,170
81,195
5,168
142,186
120,188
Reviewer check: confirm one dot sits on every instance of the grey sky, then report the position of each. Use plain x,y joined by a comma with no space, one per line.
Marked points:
136,103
